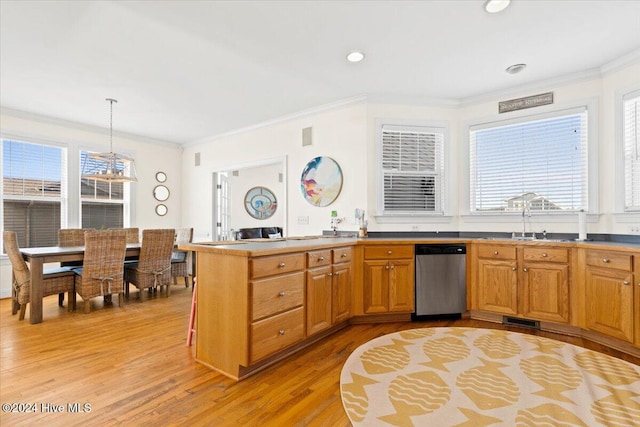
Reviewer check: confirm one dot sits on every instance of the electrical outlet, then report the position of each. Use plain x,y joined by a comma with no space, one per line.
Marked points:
634,229
414,228
303,220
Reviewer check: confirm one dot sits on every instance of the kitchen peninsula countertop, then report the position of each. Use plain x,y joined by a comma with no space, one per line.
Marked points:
261,247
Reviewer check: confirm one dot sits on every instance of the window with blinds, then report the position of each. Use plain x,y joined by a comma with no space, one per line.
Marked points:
412,170
537,163
102,202
631,140
32,181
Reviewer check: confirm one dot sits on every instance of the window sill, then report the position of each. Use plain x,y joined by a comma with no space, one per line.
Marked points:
627,217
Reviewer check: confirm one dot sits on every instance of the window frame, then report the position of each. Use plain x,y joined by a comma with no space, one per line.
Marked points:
444,214
553,110
64,177
622,214
70,197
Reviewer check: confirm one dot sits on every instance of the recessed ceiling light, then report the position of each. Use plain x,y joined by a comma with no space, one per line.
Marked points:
495,6
355,56
516,68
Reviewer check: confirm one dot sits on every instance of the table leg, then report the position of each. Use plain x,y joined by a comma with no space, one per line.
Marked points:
35,305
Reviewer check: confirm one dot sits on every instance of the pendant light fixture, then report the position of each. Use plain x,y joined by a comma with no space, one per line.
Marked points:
109,167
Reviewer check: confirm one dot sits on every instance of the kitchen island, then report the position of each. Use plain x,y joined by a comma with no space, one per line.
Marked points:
261,300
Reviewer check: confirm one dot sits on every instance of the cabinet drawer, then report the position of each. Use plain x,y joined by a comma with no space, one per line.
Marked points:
388,252
276,294
497,252
276,264
608,259
318,258
276,332
341,255
546,254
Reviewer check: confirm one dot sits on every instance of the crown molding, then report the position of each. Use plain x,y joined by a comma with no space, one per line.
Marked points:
630,58
82,127
300,114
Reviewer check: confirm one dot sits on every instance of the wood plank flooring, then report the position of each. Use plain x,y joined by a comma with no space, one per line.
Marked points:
131,366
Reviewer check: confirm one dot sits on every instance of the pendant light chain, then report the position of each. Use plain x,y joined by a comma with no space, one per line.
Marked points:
111,101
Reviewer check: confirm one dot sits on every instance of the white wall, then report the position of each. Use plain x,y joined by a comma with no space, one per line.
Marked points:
246,179
339,133
348,134
150,157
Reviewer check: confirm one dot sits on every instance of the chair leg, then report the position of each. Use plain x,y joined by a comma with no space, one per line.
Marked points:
186,281
23,310
120,299
175,280
87,306
72,301
61,299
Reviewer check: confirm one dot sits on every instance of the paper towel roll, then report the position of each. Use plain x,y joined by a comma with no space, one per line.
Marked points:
582,225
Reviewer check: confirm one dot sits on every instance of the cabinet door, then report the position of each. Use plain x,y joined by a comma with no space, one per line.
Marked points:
401,285
376,286
319,295
545,292
609,302
498,286
341,292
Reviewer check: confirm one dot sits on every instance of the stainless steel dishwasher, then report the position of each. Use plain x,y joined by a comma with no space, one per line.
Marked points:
440,280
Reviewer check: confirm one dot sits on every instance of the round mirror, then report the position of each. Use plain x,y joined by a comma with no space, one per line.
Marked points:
161,177
161,210
161,193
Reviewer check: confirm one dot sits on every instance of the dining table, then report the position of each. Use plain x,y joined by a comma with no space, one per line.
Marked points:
38,257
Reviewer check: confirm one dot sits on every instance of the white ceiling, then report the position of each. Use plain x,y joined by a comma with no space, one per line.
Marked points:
185,71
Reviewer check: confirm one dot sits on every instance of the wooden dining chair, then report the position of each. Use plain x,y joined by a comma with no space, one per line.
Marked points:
180,260
102,271
68,237
153,268
55,281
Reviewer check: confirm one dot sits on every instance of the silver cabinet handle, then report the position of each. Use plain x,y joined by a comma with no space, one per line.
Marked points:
281,294
321,258
544,255
281,331
343,256
386,267
513,269
330,274
605,260
626,282
389,252
495,252
393,266
281,265
525,269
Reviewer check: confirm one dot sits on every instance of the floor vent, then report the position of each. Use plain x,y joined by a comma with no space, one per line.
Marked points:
525,323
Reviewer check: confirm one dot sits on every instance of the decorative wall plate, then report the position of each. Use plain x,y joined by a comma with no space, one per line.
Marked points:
260,202
161,210
161,193
161,176
321,181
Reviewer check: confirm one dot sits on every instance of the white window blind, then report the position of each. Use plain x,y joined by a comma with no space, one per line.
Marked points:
631,126
102,202
412,164
32,182
538,163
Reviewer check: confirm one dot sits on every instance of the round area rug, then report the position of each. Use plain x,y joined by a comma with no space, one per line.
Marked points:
483,377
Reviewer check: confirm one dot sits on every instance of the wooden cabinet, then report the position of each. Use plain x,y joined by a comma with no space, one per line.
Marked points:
545,284
388,279
328,288
277,303
530,282
609,294
497,287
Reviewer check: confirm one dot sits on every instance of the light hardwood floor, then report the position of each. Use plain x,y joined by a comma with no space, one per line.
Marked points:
132,366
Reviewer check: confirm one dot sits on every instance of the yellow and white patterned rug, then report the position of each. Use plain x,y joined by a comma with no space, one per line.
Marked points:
482,377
